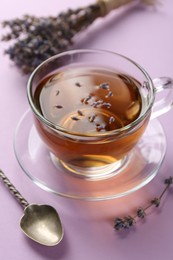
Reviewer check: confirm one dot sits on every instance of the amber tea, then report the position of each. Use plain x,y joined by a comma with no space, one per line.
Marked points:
89,102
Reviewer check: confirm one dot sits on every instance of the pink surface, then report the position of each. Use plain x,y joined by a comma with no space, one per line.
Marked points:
144,35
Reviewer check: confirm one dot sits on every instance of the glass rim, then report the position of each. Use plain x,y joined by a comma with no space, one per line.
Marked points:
61,129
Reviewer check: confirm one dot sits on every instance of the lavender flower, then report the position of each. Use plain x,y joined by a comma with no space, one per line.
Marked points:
127,222
36,39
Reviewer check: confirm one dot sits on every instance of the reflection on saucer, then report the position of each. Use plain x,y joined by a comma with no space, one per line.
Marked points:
35,160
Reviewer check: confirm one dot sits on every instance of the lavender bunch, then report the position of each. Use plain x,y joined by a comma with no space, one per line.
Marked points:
129,221
38,38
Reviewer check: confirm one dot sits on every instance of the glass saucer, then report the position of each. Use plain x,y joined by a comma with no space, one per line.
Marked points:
35,160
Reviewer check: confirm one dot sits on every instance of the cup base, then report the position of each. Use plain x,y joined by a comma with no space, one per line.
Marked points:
92,173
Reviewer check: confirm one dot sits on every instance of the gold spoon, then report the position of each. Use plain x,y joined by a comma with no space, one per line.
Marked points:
41,223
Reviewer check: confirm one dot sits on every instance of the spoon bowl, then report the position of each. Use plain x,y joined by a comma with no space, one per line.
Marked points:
40,223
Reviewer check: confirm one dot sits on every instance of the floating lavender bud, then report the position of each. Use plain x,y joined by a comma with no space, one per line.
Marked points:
104,86
92,118
85,100
59,106
94,104
110,94
80,113
57,92
111,120
100,127
97,103
78,84
107,105
75,118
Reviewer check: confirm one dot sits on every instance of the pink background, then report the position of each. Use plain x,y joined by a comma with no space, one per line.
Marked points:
144,35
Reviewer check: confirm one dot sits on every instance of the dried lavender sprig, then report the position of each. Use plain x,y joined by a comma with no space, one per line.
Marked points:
129,221
37,39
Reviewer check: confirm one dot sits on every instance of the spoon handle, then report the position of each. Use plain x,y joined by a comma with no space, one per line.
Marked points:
13,190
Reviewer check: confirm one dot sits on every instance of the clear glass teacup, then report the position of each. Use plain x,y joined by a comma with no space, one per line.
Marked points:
91,108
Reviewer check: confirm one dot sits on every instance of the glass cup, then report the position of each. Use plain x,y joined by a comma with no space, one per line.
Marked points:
91,107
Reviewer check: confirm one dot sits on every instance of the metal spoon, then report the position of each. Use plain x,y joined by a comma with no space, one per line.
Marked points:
41,223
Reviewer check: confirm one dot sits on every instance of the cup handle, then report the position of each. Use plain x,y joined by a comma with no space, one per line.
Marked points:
165,103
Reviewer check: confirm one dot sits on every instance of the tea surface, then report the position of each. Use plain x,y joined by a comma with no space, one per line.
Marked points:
89,100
